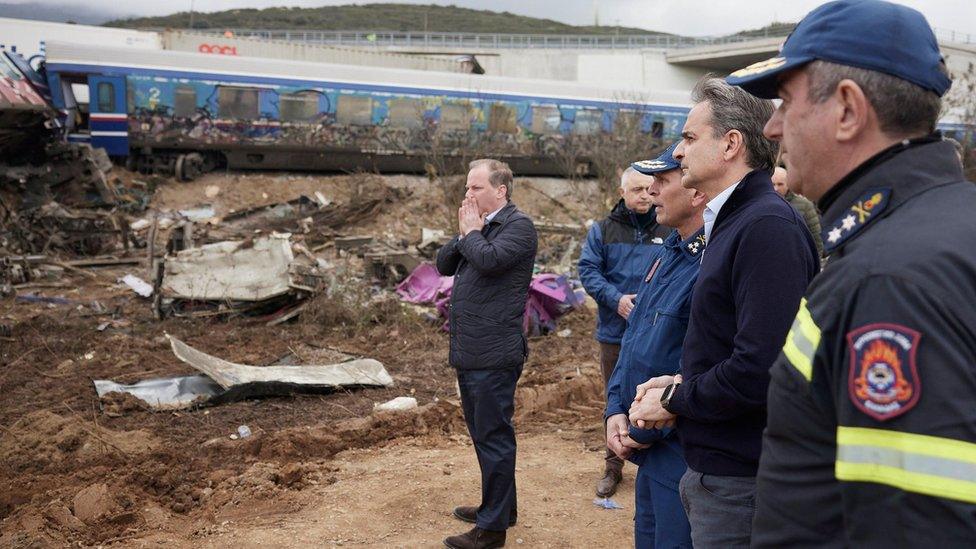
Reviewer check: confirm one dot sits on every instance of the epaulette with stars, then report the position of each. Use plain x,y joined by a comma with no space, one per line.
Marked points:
860,213
696,246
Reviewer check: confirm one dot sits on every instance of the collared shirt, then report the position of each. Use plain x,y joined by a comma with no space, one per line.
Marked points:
492,215
714,206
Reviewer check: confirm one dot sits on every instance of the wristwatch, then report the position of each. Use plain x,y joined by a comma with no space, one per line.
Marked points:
666,396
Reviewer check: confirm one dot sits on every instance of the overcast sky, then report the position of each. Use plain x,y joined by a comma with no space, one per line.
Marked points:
687,17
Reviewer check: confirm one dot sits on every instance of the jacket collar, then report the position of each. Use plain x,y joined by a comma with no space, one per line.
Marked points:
502,216
754,184
883,183
625,215
693,246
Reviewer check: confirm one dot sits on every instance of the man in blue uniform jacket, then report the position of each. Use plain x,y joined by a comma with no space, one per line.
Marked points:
613,262
651,347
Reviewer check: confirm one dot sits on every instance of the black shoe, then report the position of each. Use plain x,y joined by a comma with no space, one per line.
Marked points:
469,513
476,538
607,486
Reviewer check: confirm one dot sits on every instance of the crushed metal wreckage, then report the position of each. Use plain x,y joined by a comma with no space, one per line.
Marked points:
222,381
259,276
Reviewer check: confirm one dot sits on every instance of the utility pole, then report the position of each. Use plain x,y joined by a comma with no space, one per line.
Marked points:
191,14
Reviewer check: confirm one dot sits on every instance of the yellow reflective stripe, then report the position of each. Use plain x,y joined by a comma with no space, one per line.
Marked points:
802,341
932,466
908,442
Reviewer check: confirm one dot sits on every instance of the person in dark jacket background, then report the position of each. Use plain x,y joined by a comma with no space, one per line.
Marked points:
614,260
491,261
759,260
801,204
651,347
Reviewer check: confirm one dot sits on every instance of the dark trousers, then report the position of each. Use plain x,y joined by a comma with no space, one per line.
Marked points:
659,520
488,401
720,509
609,353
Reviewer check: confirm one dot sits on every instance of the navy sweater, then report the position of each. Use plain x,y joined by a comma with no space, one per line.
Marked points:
754,271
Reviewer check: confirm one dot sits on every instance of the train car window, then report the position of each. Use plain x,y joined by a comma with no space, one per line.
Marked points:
588,121
545,119
239,103
455,117
657,129
501,118
298,107
106,97
184,101
355,110
406,113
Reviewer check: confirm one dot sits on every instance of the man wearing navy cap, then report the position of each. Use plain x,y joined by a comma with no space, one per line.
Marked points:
871,439
651,347
614,259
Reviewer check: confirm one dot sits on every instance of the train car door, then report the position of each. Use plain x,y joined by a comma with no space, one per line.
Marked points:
107,120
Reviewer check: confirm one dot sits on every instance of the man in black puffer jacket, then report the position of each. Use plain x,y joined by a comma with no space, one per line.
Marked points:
491,261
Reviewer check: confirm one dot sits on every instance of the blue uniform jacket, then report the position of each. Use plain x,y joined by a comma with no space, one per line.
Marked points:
651,346
613,262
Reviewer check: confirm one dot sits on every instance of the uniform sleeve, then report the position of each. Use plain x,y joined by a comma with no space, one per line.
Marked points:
514,242
773,266
592,265
902,367
615,404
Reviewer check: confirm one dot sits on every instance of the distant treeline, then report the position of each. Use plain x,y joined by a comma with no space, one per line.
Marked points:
378,17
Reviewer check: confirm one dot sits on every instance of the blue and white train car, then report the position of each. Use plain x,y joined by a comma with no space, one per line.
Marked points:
165,110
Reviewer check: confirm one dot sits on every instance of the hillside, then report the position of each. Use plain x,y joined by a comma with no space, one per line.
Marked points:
376,17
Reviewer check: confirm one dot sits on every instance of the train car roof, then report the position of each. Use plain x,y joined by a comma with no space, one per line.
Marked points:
63,56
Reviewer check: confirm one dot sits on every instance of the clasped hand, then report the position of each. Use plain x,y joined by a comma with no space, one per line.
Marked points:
469,218
646,411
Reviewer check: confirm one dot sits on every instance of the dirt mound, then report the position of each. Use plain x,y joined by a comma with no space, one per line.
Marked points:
42,438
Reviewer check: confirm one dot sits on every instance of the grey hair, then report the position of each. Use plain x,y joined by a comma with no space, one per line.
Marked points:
627,173
904,109
735,109
498,174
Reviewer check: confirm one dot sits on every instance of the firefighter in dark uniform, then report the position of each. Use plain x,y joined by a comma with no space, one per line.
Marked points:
871,438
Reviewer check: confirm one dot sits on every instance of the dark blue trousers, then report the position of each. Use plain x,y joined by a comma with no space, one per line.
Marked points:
659,521
488,400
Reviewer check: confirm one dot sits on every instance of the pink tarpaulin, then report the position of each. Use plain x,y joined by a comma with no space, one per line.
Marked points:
550,296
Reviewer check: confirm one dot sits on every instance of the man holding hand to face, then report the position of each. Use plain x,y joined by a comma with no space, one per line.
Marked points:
491,261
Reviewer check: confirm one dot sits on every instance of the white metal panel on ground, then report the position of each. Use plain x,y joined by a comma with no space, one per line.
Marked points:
217,66
28,36
236,271
363,371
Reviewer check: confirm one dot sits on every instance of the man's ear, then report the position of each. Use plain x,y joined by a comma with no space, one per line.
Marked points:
698,199
734,143
853,110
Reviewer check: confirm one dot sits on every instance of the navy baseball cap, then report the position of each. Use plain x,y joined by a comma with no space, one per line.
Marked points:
868,34
662,163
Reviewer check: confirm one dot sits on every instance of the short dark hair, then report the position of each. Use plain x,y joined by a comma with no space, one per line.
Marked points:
904,109
735,109
498,174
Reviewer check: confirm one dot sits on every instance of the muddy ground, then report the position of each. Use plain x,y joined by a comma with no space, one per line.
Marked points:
319,469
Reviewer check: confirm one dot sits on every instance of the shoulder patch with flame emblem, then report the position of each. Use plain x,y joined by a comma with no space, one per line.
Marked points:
883,381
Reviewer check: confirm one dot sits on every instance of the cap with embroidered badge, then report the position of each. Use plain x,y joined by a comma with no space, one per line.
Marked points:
868,34
664,162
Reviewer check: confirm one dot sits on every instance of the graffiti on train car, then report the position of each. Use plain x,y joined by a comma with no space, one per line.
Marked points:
180,113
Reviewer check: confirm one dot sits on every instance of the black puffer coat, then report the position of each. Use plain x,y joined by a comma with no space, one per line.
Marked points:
492,270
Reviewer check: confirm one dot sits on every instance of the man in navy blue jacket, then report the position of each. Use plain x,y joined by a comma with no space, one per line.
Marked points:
614,259
651,347
759,260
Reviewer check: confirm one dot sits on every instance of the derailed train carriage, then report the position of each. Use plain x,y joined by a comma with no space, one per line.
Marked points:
185,113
